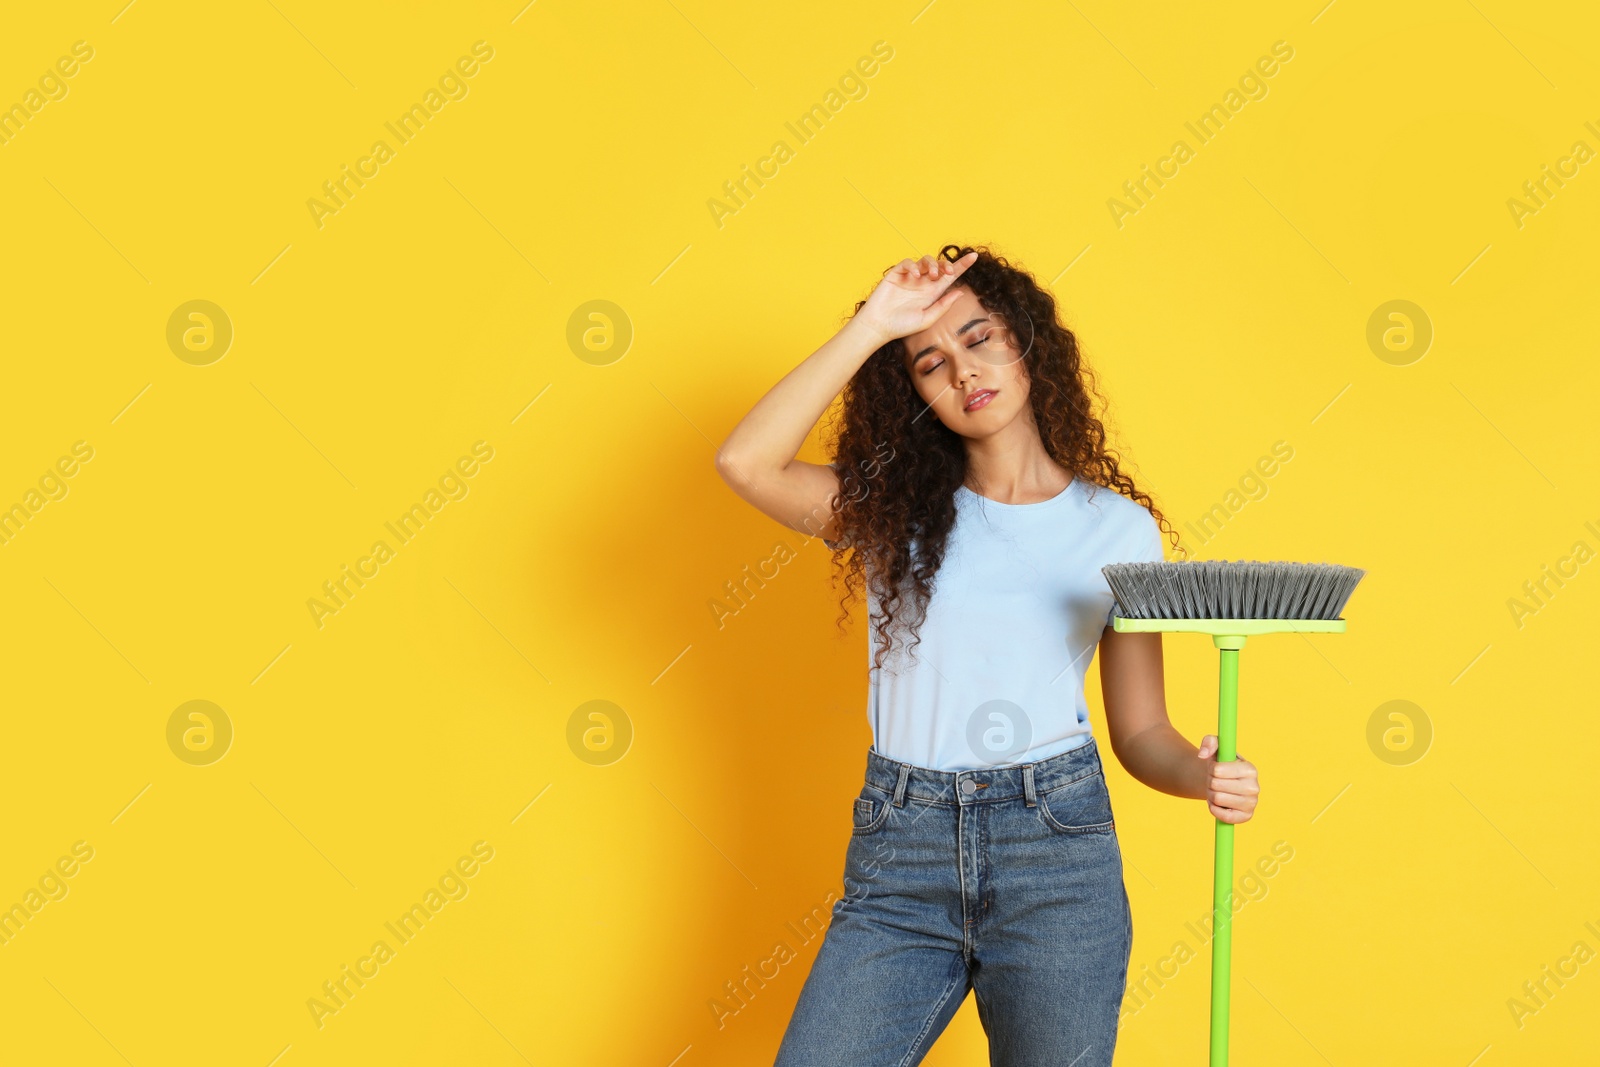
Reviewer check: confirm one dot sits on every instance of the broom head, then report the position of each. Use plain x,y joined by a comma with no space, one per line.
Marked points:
1219,596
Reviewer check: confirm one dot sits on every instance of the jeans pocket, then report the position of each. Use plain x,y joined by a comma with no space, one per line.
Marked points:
871,811
1082,806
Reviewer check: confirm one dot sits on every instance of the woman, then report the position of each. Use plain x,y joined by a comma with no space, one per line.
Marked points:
983,852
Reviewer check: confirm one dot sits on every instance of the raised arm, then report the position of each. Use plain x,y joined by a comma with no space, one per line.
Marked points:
757,459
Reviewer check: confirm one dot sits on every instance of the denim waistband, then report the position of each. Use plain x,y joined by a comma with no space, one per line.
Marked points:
983,785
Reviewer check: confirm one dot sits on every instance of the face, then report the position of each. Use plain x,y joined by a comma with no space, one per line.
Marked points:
969,352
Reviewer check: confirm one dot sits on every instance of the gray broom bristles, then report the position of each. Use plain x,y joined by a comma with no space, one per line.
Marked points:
1220,589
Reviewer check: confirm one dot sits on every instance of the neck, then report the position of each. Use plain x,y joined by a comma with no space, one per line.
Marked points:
1012,465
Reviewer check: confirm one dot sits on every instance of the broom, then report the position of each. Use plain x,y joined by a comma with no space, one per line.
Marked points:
1229,601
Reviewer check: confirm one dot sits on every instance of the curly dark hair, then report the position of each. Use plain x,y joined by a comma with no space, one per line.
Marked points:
899,472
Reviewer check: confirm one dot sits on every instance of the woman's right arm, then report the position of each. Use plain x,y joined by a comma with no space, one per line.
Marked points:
757,459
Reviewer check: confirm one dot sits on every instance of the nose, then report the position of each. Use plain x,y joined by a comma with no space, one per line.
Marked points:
964,364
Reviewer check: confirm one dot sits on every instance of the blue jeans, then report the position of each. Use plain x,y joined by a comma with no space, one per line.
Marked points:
1006,881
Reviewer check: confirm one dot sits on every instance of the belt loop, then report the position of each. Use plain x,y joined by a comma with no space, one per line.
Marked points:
900,786
1027,785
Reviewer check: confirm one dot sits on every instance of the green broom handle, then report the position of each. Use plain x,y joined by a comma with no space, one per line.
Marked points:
1222,884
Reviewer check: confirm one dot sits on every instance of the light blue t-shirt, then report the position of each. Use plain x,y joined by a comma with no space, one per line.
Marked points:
1016,614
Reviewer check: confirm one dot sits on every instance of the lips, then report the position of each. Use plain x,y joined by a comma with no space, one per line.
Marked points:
979,399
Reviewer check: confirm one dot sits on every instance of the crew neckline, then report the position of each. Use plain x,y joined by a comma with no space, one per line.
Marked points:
991,502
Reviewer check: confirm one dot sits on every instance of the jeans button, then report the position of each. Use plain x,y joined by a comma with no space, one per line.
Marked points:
968,786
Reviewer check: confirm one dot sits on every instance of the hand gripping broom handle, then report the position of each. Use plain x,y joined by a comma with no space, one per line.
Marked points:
1222,883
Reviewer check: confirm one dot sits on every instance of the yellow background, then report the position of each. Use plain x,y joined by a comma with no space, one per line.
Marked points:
586,559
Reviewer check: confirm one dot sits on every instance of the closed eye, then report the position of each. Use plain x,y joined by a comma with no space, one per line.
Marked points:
930,368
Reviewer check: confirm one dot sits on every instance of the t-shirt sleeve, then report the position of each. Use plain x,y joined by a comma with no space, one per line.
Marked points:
1145,546
832,544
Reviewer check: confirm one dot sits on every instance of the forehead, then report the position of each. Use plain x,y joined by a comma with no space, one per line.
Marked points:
961,311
